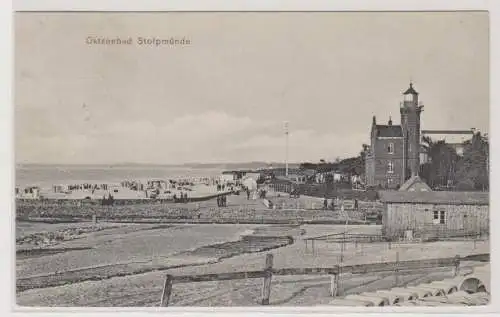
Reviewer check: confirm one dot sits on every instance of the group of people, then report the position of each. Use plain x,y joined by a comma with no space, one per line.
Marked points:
183,198
262,193
222,201
88,187
108,201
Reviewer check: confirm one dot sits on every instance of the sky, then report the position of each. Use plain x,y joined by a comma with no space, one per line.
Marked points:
226,95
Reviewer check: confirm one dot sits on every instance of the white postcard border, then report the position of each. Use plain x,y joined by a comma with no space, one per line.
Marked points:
7,112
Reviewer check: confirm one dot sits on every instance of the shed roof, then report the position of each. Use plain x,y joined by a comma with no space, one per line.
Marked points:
413,182
391,131
436,197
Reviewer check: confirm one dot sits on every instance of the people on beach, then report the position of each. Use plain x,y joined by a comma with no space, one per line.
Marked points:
222,201
109,201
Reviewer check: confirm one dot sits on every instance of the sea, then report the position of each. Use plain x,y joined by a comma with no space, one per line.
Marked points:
46,176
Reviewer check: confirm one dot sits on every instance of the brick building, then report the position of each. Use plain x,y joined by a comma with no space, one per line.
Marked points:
394,153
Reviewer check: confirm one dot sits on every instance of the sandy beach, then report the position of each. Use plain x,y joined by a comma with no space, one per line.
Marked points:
125,265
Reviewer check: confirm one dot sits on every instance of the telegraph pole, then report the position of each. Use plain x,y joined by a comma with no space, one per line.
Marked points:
286,148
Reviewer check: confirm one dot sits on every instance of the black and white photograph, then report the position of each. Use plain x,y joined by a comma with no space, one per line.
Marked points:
252,159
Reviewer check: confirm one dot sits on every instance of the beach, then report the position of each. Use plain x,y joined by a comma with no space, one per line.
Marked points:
126,265
75,252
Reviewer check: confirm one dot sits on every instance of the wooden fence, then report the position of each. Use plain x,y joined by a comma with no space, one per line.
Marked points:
335,272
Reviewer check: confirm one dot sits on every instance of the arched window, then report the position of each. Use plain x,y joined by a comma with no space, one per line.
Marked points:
390,148
390,167
409,97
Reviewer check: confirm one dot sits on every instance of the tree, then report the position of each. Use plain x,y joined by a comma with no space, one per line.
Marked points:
362,159
474,165
352,165
441,169
308,166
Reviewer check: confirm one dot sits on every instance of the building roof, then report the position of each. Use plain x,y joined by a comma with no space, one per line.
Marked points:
410,90
448,137
389,131
435,197
413,182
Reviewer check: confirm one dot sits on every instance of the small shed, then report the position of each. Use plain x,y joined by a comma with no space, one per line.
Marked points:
415,184
434,214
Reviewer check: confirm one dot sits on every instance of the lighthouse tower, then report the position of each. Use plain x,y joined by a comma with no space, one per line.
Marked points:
410,110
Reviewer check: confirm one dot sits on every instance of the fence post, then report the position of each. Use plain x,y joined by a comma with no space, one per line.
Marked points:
456,267
396,268
266,286
340,290
167,289
334,283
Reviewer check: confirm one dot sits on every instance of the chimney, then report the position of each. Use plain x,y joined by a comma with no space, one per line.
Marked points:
374,120
390,121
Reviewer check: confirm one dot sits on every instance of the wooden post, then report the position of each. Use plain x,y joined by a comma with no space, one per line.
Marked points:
339,291
396,269
334,284
167,290
266,286
456,267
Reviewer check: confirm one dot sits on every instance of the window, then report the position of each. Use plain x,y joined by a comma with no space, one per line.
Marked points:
408,97
390,167
435,219
439,217
390,148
